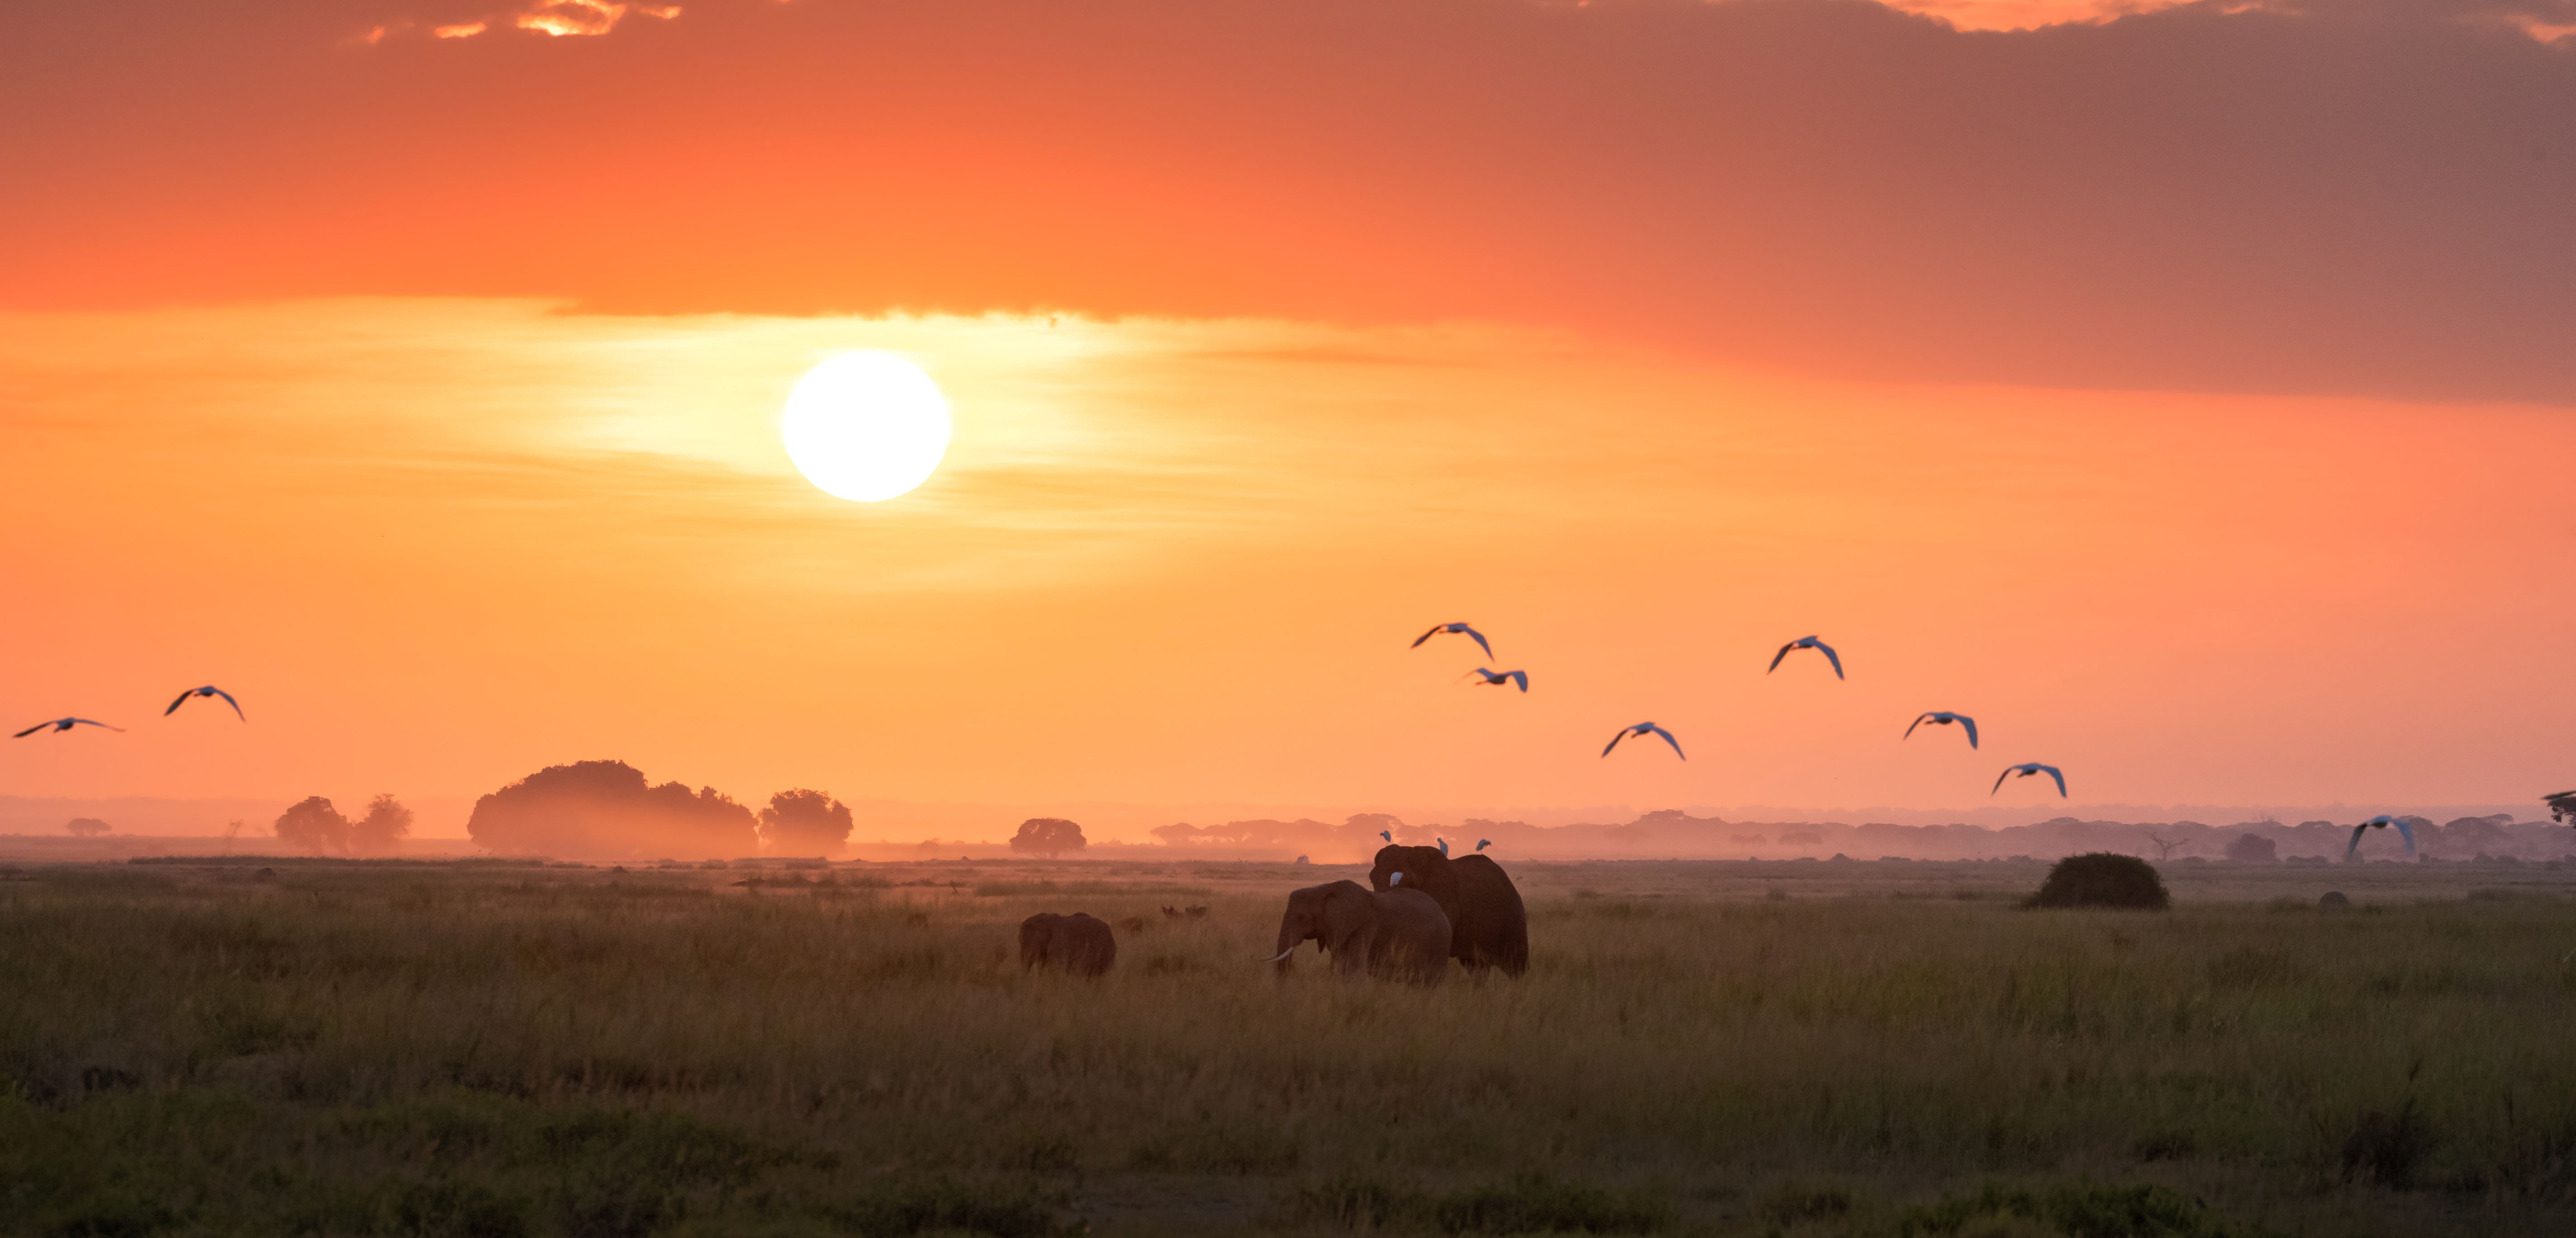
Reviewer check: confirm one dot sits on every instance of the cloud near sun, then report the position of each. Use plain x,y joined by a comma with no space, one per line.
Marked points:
558,18
2345,196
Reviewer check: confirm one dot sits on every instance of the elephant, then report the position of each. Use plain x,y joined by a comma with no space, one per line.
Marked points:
1400,934
1079,943
1489,927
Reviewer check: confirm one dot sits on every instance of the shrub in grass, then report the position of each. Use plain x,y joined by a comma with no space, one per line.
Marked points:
2102,879
1798,1203
2388,1149
2077,1211
1527,1204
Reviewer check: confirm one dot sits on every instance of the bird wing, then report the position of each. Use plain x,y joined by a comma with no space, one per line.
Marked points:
1435,631
92,722
1831,656
1775,658
31,730
2355,844
2405,833
1971,724
174,705
1677,744
1614,741
1521,678
228,700
2060,777
1999,779
1480,639
1909,727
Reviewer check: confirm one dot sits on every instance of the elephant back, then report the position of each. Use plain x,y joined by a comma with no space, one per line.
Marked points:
1424,869
1091,949
1495,929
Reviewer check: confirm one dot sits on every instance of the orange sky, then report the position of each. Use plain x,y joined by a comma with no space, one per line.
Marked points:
2209,443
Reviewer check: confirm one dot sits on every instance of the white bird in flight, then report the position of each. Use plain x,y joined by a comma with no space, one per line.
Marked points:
1499,677
1943,717
208,690
1643,729
1388,835
1438,628
62,724
2403,831
1444,846
2025,770
1808,642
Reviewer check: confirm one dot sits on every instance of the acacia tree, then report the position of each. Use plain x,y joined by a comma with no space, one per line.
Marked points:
314,825
86,827
1048,836
2562,807
800,820
382,830
2252,848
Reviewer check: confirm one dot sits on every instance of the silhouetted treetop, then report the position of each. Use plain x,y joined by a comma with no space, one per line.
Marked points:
382,830
314,825
802,821
1048,836
86,827
607,809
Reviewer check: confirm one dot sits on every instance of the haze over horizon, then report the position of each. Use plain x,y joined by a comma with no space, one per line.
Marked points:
2181,390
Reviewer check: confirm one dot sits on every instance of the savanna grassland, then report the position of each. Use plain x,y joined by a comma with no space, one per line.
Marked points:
1796,1048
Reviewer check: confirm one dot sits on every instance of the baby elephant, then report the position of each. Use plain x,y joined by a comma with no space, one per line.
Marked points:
1400,934
1078,943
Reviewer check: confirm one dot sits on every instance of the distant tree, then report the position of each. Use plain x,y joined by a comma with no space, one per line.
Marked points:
315,826
2252,848
2562,807
382,830
86,827
1048,836
805,823
2164,849
607,809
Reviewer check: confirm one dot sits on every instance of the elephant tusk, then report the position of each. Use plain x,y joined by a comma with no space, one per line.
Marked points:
1283,954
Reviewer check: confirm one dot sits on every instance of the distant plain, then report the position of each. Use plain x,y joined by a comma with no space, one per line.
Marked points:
1810,1047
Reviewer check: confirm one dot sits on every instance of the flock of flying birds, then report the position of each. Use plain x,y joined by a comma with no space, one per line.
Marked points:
1937,717
1493,678
58,725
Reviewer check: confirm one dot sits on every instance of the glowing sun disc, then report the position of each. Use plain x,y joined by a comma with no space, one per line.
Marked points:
866,426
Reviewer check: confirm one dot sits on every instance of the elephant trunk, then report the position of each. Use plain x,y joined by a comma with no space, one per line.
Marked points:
1289,939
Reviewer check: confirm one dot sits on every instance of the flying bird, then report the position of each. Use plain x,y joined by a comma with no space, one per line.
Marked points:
1444,846
208,690
2025,770
1808,642
1499,677
2403,831
1642,730
1439,628
1483,843
62,724
1388,835
1943,717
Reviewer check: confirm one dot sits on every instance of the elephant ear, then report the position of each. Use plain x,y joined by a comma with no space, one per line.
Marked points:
1347,910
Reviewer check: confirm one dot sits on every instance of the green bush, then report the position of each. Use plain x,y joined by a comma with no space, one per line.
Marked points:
2102,879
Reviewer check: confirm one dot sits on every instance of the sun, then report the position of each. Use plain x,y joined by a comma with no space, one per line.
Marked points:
866,426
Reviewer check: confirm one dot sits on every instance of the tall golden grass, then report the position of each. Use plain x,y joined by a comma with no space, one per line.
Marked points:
525,1050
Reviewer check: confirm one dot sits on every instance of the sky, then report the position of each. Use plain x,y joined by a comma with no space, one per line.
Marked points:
2183,391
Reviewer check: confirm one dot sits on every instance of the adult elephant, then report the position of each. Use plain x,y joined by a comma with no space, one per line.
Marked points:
1488,925
1078,943
1399,934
